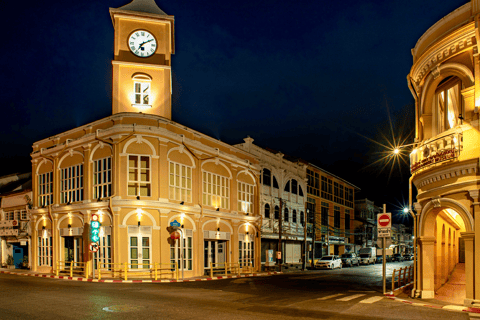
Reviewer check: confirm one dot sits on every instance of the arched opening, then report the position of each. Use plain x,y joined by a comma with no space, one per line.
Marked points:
438,253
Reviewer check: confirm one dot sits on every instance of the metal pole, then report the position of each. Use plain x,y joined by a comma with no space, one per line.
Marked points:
93,264
314,238
280,220
304,266
384,271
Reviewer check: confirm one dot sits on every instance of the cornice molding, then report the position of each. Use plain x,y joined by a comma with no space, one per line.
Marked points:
453,44
442,174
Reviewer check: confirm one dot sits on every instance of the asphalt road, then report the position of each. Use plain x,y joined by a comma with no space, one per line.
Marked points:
349,293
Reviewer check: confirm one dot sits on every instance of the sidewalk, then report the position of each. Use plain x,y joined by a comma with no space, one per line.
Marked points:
450,296
24,272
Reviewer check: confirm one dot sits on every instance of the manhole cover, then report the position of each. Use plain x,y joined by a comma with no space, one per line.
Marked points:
122,308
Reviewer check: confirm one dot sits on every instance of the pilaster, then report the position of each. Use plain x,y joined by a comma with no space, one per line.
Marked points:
427,289
476,242
469,266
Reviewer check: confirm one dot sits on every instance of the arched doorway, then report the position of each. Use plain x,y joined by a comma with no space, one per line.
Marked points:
439,248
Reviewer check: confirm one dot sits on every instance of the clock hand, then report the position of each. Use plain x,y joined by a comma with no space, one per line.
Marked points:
141,44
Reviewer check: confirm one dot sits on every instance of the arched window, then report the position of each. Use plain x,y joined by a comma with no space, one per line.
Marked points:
448,103
267,178
294,216
294,186
275,183
302,218
287,187
267,211
300,191
285,218
277,212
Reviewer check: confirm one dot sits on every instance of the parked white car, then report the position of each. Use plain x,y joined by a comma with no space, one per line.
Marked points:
329,262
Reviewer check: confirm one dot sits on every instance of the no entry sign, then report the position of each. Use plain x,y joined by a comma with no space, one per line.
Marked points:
384,224
384,220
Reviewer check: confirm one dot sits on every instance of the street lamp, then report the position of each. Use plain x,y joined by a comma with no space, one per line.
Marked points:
396,152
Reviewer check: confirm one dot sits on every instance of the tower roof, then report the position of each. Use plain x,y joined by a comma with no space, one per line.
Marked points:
146,6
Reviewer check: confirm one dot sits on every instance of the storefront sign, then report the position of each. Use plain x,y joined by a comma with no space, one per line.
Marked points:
269,261
9,223
336,240
8,232
440,156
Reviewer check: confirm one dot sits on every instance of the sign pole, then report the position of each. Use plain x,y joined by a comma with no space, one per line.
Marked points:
384,271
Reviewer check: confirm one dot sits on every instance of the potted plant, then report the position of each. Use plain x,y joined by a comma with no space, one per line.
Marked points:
25,262
10,262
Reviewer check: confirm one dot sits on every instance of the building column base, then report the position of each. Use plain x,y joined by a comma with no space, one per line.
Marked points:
427,294
471,303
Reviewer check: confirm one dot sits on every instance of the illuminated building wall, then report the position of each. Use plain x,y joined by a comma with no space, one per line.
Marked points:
444,161
140,173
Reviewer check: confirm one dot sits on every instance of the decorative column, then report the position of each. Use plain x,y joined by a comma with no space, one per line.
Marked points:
469,266
476,244
417,257
427,288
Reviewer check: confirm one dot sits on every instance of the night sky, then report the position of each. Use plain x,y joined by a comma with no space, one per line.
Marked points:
319,80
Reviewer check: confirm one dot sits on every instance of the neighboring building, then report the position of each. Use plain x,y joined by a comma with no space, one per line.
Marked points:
15,230
365,223
141,172
330,209
444,163
283,190
401,239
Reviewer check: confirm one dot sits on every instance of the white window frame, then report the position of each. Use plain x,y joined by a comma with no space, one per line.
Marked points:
71,184
103,256
246,252
246,194
180,184
216,190
102,178
141,94
175,252
137,183
44,250
45,188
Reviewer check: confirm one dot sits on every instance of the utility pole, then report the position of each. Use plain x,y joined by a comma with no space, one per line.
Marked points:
280,220
304,266
313,239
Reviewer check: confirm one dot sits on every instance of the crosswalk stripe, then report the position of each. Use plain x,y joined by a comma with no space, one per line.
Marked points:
372,299
332,296
355,296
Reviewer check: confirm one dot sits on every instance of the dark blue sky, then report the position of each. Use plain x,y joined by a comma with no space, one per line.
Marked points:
307,78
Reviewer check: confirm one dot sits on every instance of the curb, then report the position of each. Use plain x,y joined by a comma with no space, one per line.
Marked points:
138,281
456,308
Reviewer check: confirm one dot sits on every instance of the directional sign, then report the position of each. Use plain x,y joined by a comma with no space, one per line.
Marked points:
93,247
94,228
384,220
175,223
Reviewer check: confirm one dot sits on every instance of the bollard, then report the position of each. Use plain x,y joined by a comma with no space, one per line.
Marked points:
226,268
125,276
86,270
393,280
211,270
71,269
57,269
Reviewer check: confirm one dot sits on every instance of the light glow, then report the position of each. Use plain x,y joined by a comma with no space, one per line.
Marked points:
405,210
139,214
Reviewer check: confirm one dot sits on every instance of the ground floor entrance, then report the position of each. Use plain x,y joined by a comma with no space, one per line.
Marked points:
214,253
72,250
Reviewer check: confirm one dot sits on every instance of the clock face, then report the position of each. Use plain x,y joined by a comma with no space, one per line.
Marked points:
142,43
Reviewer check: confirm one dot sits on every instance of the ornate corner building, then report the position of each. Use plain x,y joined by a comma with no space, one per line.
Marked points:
140,172
445,82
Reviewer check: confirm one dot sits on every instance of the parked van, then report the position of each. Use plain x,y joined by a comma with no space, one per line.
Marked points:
367,255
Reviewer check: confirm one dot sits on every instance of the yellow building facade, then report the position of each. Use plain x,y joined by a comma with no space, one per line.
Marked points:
140,173
444,81
330,205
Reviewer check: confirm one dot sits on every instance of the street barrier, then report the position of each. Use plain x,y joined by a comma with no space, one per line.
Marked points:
402,277
232,267
141,269
72,267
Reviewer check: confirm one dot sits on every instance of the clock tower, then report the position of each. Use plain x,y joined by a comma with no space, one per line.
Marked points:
143,48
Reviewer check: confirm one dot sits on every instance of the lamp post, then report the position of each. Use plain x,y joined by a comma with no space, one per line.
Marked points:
396,151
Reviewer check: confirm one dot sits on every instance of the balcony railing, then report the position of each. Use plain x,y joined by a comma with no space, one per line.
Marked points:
435,151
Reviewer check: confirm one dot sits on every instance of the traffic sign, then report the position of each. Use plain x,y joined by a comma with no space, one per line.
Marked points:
175,223
384,220
95,228
93,247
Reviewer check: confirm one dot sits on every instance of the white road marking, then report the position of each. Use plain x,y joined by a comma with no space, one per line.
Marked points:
332,296
355,296
372,299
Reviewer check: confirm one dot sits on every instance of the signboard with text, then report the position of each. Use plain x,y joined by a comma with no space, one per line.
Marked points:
384,224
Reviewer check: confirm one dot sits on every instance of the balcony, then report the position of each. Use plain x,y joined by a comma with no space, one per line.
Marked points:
437,150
